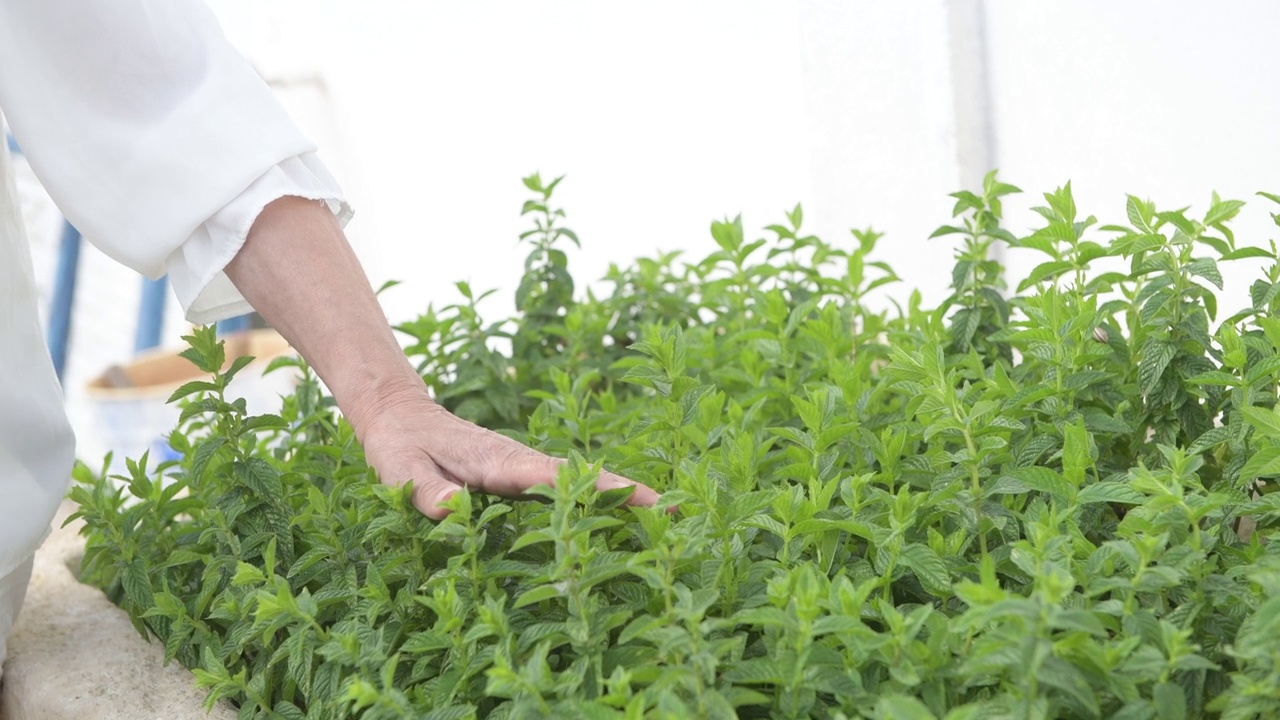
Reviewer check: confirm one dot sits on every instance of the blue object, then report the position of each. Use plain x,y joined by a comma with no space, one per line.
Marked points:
64,285
64,295
150,314
235,324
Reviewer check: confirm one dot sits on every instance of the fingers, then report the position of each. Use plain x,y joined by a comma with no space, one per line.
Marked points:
493,463
519,468
430,490
511,469
644,496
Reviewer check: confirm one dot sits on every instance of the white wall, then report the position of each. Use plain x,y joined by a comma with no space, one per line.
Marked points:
1164,100
664,116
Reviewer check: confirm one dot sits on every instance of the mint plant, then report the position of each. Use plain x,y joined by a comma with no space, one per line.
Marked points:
1050,497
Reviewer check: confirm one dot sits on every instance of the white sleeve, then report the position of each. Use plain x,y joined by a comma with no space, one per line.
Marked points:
148,129
195,267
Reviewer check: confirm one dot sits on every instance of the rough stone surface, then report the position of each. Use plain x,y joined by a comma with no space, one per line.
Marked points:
75,656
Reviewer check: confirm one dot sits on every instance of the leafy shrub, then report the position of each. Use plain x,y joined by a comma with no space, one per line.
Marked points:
1050,502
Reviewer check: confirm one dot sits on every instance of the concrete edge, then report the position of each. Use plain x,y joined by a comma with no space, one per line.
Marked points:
75,655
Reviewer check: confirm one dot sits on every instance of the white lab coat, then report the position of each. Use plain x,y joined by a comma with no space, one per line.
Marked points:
161,144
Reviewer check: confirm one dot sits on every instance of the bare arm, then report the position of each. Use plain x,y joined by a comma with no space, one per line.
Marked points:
297,269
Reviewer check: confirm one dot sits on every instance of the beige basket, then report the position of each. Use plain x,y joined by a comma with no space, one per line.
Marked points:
127,405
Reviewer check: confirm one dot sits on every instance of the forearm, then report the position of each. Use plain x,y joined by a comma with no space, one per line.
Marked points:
298,271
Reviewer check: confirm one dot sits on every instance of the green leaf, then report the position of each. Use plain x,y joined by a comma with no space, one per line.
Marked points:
190,388
451,712
836,624
1207,269
756,671
1045,271
539,594
1077,620
205,351
1043,479
1222,211
236,366
928,567
257,423
1263,463
946,230
1156,356
1214,377
1112,492
1248,252
728,234
1209,439
902,707
867,508
1265,421
1140,213
1170,701
588,525
531,538
204,453
1076,456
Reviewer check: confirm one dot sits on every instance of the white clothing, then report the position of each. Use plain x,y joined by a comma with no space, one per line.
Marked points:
12,587
160,143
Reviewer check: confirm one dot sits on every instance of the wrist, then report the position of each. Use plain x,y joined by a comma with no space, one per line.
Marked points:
370,391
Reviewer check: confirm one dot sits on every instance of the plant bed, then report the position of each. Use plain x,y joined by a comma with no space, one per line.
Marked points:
1027,503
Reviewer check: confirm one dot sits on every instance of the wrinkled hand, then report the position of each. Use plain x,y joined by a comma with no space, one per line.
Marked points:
413,438
296,260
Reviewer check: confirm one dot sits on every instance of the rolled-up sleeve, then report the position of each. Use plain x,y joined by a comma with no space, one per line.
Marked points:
195,267
154,136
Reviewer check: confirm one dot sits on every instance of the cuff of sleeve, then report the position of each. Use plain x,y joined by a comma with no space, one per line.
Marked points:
196,267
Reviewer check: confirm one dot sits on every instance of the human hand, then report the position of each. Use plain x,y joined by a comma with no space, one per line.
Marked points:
296,260
414,438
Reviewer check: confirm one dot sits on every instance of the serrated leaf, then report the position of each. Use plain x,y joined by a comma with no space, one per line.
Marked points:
836,624
531,538
1170,701
1140,213
1156,356
1076,458
1116,492
1044,480
451,712
1263,463
946,230
1209,439
1206,268
926,565
1248,252
1214,377
190,388
902,707
1266,422
539,594
1221,212
756,671
1045,271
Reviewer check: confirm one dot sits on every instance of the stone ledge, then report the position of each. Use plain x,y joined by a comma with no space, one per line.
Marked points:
74,655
